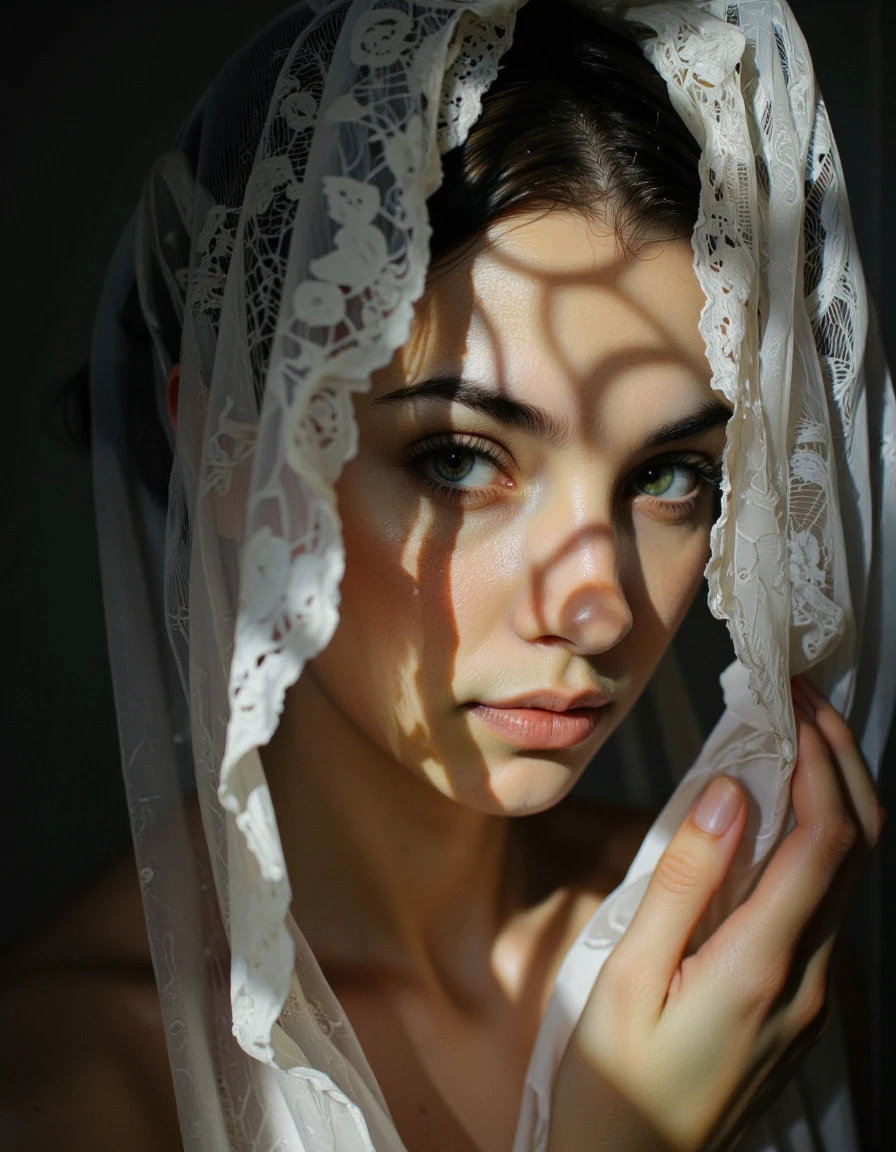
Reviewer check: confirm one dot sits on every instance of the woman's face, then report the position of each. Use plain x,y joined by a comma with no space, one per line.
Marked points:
527,518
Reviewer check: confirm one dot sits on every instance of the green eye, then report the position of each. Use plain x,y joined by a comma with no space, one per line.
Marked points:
666,481
453,464
457,467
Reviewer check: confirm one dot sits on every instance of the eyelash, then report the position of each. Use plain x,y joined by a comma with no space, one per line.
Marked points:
418,454
708,472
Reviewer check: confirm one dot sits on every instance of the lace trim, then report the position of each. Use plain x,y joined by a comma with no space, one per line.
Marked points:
340,320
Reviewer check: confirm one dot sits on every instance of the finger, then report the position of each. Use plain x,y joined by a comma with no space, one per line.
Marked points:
687,876
839,737
805,1003
803,870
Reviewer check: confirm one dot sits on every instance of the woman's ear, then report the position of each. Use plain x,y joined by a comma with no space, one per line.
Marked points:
172,392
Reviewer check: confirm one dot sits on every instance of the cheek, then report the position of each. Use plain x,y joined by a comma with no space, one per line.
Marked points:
484,567
377,609
673,584
671,562
393,651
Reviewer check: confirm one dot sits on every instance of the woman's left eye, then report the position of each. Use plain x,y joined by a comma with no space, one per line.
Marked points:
667,481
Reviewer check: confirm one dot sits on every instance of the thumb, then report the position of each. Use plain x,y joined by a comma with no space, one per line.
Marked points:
687,876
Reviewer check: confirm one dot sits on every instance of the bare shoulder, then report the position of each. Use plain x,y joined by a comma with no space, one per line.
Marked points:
85,1065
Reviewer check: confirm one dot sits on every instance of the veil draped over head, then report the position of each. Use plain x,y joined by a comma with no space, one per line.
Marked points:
276,254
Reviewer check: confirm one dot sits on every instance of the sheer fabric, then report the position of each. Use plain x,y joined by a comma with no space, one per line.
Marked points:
276,254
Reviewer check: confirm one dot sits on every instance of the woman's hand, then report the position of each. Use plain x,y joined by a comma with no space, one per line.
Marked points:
677,1051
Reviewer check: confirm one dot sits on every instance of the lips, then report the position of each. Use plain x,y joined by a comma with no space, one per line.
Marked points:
549,701
542,721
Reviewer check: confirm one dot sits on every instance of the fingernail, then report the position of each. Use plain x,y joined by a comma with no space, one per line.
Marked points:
718,806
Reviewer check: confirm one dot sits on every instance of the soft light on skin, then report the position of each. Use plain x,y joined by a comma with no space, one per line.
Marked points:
560,577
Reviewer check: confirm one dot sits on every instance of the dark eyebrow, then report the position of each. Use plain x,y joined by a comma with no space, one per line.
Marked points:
513,413
530,418
710,416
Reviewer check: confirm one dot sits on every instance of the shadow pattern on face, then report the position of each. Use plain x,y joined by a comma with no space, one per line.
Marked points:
588,614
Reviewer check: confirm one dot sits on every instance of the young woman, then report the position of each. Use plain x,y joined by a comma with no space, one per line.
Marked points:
524,517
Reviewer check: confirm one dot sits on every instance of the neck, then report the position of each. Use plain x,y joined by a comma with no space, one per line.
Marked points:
385,870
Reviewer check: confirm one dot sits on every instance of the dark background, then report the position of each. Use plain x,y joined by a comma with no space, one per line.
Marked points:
94,91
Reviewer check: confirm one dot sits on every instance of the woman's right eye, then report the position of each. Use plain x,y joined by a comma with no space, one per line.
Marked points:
461,466
457,467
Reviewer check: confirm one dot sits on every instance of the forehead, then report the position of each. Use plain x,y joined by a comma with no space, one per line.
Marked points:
550,303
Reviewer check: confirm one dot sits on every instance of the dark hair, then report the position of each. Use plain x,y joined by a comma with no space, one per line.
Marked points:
576,118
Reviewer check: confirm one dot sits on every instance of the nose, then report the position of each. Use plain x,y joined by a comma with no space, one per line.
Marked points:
573,595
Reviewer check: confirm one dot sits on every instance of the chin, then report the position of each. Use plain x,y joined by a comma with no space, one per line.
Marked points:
526,783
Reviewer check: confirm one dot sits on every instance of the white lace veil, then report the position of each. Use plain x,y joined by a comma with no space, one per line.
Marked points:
276,254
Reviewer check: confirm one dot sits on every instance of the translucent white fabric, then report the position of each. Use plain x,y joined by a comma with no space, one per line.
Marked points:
277,254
